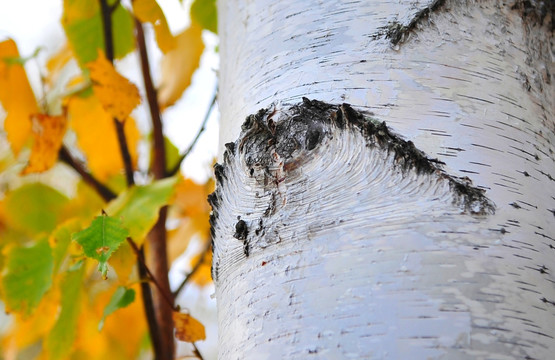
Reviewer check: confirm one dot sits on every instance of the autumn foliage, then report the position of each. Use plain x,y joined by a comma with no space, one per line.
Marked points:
73,239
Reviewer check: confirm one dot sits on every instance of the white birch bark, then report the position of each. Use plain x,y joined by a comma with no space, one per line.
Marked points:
352,254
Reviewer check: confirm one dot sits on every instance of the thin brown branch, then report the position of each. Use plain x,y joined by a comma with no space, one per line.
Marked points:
124,150
100,188
141,259
196,352
114,6
107,29
159,148
175,169
149,305
193,270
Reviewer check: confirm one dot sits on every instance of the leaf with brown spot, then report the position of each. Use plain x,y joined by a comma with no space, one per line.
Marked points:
117,95
187,328
48,133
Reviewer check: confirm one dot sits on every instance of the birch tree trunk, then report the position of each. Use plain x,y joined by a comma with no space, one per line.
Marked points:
416,222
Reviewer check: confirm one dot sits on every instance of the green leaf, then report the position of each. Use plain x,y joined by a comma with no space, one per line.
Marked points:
34,208
122,297
138,206
204,13
101,239
60,340
82,23
28,276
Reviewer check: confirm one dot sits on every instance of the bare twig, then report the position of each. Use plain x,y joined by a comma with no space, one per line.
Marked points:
193,270
176,167
124,150
100,188
196,352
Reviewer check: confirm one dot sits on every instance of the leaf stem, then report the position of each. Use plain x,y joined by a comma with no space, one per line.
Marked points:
100,188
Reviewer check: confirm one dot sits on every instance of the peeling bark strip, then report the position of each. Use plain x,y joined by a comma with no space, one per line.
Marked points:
275,144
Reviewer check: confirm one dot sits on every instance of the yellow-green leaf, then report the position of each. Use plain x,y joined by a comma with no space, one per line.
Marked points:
204,13
101,239
149,11
16,96
138,207
48,133
28,276
179,65
82,23
60,340
117,95
123,297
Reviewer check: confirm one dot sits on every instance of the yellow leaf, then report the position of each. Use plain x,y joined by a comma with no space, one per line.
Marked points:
125,328
16,96
97,137
27,331
191,207
117,95
187,328
203,275
150,11
190,197
48,133
179,65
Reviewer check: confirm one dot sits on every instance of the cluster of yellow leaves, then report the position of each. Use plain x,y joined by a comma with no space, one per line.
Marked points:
87,112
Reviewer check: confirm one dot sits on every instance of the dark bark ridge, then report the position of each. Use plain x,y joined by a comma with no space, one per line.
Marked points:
272,150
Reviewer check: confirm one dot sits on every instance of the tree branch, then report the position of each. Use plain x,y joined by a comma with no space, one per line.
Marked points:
107,28
124,150
193,270
151,277
159,148
157,254
175,169
196,352
100,188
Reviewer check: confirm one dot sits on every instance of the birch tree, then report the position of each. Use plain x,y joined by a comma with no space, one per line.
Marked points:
394,198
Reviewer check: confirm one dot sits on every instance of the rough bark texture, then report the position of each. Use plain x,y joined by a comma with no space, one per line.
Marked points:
336,238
